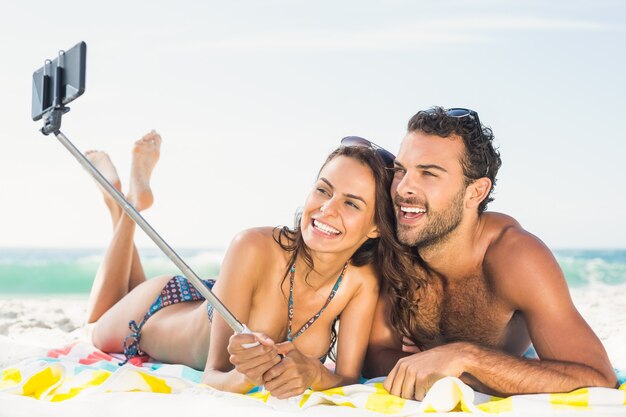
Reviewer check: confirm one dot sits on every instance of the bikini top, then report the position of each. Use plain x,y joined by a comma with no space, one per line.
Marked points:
290,336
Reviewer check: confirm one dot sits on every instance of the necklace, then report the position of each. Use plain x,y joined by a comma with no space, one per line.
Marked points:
290,336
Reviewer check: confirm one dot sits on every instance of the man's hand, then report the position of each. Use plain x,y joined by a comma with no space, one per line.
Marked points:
413,375
293,375
255,361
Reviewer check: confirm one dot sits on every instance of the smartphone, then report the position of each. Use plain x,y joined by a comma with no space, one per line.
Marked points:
60,80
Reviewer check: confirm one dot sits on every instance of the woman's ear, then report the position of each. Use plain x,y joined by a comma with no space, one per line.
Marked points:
477,191
373,234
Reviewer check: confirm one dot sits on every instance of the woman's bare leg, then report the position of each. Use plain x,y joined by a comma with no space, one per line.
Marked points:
111,280
159,338
121,268
102,161
145,156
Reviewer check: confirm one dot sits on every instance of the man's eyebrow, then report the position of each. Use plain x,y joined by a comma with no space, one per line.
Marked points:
356,197
421,166
431,166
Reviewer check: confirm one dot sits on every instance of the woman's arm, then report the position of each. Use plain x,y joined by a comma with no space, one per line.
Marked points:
240,274
355,327
385,346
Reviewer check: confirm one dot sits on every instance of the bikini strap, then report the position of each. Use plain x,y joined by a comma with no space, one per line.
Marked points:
290,336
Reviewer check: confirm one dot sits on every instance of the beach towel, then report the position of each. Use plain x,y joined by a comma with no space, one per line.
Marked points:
80,371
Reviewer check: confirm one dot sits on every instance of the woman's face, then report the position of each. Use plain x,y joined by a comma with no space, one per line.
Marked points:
338,214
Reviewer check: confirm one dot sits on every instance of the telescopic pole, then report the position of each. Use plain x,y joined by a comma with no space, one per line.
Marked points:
221,309
52,124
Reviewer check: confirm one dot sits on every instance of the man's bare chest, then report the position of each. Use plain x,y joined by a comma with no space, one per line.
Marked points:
468,310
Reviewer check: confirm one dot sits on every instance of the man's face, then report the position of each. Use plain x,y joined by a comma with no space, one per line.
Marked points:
428,188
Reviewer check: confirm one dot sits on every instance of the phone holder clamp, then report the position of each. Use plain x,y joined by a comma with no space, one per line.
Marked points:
52,118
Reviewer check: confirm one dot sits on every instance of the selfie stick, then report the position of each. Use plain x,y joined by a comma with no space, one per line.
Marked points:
52,124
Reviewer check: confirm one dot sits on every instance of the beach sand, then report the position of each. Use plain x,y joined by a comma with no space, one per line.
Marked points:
31,326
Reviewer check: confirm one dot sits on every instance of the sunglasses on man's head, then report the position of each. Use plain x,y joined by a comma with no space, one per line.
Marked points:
459,112
385,155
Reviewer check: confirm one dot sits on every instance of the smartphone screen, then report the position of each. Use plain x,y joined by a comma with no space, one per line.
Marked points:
72,85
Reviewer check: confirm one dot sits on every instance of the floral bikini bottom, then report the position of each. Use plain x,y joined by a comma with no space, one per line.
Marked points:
177,290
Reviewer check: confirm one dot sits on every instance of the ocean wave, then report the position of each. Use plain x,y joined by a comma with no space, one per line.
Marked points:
586,270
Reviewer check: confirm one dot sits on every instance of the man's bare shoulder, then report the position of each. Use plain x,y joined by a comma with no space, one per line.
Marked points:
518,262
505,234
495,223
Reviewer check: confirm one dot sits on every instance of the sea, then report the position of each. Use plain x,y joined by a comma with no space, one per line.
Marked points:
40,271
70,271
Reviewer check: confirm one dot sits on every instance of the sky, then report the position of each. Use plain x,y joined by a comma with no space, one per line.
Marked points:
251,96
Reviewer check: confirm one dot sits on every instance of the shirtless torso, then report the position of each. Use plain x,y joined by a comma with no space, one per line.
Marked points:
489,287
484,311
450,300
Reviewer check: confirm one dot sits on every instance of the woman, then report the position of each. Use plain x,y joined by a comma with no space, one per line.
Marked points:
285,284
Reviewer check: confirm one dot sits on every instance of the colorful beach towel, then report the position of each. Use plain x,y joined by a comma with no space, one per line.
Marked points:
80,370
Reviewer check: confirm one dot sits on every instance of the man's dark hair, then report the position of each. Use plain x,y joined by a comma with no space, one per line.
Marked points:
481,159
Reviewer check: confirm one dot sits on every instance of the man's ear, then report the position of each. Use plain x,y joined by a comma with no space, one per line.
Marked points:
477,191
373,234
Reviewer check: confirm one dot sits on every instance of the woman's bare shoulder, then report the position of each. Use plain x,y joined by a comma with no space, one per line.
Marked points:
255,245
252,254
255,239
364,276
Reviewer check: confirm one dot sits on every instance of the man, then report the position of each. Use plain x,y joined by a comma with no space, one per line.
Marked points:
484,288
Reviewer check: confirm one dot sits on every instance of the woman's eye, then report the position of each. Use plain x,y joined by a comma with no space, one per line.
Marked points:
322,191
351,204
429,174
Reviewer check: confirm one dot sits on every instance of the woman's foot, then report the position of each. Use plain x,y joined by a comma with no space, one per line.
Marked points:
103,163
145,156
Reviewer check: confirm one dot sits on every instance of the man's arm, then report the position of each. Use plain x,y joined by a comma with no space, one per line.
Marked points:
526,275
488,371
508,375
385,346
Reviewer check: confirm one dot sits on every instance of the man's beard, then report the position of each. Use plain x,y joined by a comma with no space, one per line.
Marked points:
438,227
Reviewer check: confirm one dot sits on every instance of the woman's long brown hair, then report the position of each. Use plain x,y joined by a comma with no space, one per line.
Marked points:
391,260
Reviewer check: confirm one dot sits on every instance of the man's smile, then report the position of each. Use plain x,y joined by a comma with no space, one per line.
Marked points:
410,212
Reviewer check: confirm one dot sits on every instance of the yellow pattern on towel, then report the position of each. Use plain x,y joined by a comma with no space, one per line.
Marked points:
80,370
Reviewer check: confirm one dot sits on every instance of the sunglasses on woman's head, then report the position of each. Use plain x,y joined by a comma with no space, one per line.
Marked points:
385,155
